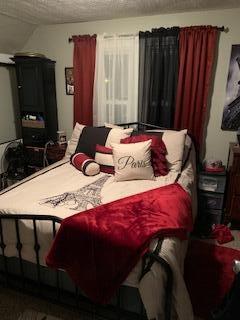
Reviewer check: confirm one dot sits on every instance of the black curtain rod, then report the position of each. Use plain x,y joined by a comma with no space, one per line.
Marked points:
219,28
222,29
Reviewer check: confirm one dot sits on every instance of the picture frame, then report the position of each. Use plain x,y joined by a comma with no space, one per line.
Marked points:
231,110
69,80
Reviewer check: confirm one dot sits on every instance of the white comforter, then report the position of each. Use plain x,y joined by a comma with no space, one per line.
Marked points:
59,193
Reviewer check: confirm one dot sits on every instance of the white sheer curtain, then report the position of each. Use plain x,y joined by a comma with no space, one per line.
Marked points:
116,79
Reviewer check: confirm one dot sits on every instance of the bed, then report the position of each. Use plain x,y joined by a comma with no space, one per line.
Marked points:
32,210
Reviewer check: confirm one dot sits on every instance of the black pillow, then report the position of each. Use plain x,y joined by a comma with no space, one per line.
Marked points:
90,137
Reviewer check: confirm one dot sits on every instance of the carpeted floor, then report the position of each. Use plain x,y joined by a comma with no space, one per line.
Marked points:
13,304
19,306
34,315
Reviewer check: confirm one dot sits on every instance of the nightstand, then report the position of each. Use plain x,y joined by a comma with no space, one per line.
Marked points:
35,156
211,196
55,152
34,159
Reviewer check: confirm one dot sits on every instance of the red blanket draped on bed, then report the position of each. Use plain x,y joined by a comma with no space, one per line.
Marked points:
99,247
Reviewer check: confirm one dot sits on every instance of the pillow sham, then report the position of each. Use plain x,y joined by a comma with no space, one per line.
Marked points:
174,142
115,136
82,162
186,150
133,161
72,143
104,157
158,152
91,136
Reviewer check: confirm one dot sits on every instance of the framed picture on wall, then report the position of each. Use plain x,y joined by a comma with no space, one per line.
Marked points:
69,80
231,111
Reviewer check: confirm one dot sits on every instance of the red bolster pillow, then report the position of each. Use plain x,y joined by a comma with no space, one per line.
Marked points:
84,163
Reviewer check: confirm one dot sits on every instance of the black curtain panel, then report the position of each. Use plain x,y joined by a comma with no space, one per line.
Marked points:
158,73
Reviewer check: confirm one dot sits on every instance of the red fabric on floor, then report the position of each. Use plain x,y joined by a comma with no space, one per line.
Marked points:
99,247
208,275
221,233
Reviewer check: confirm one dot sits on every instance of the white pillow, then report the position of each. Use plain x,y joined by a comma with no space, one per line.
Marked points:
174,142
133,161
72,143
116,135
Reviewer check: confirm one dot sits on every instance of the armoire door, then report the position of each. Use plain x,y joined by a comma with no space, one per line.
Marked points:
30,85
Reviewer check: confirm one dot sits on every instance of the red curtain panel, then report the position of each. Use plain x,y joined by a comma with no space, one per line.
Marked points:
83,70
196,59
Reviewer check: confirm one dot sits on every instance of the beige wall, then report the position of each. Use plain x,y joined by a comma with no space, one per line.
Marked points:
13,34
53,42
8,104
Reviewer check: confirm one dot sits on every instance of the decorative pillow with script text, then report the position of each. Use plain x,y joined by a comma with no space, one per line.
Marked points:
133,161
158,152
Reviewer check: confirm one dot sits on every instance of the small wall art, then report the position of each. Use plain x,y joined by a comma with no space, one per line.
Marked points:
69,80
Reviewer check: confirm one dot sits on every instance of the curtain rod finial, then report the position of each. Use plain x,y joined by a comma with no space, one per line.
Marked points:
223,29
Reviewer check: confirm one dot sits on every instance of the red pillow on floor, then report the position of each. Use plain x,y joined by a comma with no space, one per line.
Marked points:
158,150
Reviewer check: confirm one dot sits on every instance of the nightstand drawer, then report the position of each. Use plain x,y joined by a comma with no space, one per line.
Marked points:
214,183
214,216
209,200
207,218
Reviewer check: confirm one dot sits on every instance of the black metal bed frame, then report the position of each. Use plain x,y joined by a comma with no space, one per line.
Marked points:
21,281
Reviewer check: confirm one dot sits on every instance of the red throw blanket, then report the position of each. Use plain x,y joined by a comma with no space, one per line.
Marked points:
209,275
99,247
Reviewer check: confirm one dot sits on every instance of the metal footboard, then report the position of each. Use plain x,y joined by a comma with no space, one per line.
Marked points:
59,292
119,313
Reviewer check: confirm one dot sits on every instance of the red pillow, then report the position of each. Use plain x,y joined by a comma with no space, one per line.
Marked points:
158,150
84,163
104,158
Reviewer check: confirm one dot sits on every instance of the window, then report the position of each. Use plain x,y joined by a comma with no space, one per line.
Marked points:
116,80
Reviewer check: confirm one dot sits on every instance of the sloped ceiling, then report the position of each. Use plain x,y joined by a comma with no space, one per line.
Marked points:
18,18
13,34
65,11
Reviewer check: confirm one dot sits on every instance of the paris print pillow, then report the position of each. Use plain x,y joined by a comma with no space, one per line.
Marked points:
133,161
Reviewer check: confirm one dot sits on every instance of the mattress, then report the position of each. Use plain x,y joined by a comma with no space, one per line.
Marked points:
60,190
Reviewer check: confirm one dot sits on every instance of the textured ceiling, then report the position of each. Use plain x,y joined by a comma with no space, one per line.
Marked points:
66,11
